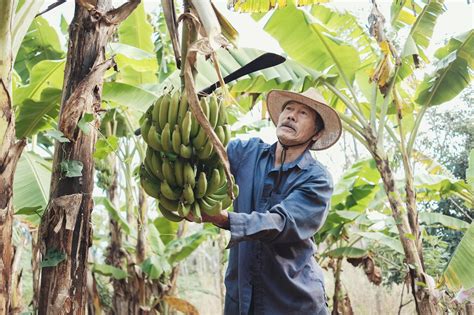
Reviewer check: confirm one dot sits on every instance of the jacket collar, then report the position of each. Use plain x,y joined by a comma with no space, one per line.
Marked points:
303,161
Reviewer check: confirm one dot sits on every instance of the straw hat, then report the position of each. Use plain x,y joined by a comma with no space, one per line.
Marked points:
276,99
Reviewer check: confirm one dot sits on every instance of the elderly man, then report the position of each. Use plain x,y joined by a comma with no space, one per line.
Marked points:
284,200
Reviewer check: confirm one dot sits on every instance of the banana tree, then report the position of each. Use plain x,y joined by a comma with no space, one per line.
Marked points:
380,101
65,228
15,18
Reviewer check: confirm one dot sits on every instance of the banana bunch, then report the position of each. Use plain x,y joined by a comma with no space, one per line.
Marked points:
181,168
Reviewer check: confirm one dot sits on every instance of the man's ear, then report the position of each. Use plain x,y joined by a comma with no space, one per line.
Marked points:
317,135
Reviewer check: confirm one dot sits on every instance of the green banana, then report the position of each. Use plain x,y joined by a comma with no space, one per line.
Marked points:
166,139
170,205
145,128
169,215
183,107
168,172
176,140
235,189
205,106
154,139
213,111
200,139
168,192
155,114
183,209
186,129
147,161
194,126
157,166
214,181
188,194
196,211
179,172
152,189
144,173
173,109
164,107
206,151
209,208
222,176
228,134
186,151
201,186
226,202
222,119
189,175
220,134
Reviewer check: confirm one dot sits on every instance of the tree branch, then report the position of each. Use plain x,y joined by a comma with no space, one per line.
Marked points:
116,16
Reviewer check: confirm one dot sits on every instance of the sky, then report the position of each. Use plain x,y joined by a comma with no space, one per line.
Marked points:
458,18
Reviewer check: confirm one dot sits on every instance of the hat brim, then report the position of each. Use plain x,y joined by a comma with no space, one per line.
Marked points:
332,123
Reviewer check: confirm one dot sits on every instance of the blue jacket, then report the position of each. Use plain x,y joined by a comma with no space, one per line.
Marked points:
271,259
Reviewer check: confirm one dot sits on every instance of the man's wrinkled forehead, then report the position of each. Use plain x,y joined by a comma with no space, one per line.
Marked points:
297,103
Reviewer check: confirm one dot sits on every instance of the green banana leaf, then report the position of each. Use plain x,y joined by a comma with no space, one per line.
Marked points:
436,187
31,186
166,228
34,116
347,27
45,74
109,270
349,252
393,243
131,96
41,42
357,188
452,74
156,243
294,29
432,218
459,272
137,32
180,248
422,30
404,12
267,5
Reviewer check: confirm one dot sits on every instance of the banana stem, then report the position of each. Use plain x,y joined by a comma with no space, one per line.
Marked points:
202,119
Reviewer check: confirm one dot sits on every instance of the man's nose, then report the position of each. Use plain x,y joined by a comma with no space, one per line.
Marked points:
291,116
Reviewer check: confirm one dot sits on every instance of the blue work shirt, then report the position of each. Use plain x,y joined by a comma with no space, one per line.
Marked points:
271,262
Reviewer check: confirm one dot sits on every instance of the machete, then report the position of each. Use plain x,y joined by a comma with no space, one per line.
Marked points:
264,61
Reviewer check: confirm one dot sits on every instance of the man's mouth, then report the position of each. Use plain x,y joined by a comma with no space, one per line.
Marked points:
288,126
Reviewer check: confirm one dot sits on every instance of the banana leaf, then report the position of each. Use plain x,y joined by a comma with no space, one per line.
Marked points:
31,186
459,272
452,74
41,42
294,29
267,5
34,116
45,74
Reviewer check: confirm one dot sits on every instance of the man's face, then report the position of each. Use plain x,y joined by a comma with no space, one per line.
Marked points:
296,124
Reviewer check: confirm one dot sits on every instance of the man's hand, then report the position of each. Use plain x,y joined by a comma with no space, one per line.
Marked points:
220,220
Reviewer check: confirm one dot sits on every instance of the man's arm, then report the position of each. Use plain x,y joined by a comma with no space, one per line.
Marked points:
297,217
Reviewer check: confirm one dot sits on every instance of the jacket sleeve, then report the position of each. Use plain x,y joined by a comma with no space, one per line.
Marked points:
297,217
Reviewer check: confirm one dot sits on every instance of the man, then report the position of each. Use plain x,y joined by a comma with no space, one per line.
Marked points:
283,201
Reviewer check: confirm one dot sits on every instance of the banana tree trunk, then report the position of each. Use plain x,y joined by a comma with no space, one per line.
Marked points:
423,298
65,227
10,151
120,299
